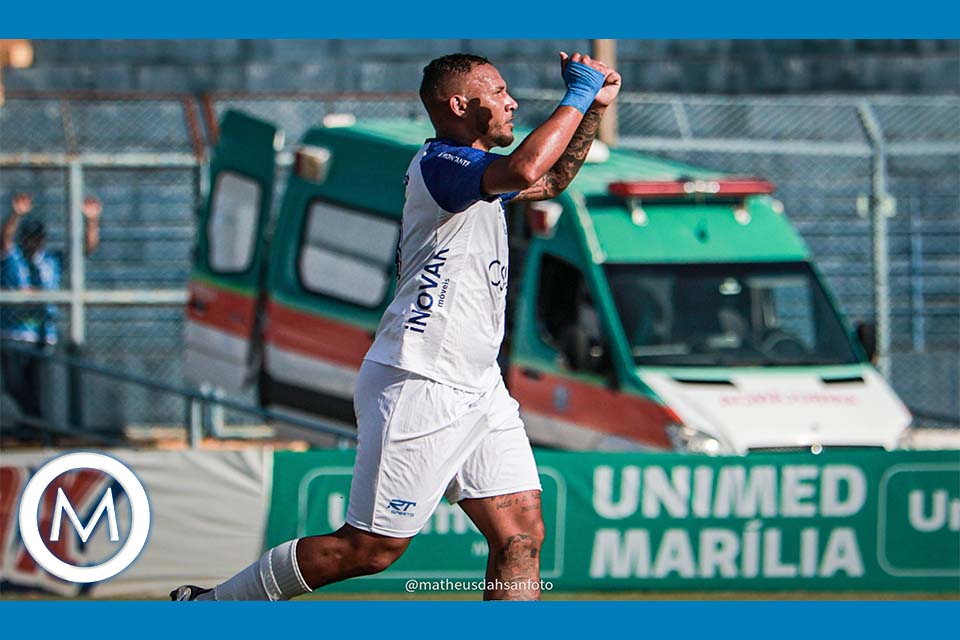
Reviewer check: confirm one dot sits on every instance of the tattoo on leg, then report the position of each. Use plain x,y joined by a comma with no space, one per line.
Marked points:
517,564
530,503
526,501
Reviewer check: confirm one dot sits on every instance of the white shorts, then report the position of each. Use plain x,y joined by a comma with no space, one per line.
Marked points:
420,440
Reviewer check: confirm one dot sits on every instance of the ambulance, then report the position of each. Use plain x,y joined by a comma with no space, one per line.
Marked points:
652,305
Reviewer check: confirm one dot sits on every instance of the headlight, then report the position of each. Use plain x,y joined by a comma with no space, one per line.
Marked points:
689,440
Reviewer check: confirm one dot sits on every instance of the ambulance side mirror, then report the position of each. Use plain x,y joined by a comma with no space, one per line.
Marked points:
584,352
867,335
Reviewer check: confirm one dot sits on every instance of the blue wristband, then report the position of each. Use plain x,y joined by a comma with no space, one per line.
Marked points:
583,84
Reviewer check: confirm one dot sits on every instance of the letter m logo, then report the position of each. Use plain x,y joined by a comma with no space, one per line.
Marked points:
63,505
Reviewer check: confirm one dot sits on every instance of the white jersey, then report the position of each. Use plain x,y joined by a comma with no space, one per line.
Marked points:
446,321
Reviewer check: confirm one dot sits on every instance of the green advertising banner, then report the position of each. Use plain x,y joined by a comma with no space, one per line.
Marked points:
838,521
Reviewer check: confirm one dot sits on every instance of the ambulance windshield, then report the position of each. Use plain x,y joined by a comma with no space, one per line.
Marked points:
748,314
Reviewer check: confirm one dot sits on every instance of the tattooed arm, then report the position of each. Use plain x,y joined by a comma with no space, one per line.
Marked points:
542,150
565,169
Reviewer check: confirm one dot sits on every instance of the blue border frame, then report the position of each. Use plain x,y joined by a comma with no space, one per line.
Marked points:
714,620
433,18
448,19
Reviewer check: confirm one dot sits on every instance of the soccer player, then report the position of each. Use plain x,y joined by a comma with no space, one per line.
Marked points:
434,418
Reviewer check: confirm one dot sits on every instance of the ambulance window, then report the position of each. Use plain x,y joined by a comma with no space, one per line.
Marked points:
347,255
567,317
787,304
557,298
232,225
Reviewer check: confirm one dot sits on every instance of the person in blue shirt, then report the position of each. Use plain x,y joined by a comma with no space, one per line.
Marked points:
26,265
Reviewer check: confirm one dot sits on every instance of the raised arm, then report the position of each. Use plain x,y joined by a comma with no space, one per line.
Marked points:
91,213
548,159
22,205
562,173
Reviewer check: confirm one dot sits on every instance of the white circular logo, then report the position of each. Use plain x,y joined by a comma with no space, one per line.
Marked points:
139,508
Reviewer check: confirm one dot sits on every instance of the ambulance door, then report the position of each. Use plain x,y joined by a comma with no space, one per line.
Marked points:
335,277
562,372
227,276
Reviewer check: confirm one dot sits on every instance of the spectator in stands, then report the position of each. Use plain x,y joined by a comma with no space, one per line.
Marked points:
26,266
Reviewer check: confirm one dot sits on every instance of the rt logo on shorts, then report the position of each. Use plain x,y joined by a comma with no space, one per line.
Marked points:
401,507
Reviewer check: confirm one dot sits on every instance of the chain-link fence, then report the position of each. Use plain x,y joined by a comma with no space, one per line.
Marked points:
872,184
120,303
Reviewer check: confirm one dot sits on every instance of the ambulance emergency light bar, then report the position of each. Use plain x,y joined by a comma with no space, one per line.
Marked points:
723,188
312,163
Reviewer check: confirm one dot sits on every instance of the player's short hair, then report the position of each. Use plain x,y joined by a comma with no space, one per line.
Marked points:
441,70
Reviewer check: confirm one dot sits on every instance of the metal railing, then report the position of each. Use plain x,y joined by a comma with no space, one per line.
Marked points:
196,403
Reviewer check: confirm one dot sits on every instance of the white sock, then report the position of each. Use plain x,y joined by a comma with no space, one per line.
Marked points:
275,576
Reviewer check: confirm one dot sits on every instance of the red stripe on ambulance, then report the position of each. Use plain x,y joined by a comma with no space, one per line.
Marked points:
221,309
591,406
315,336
